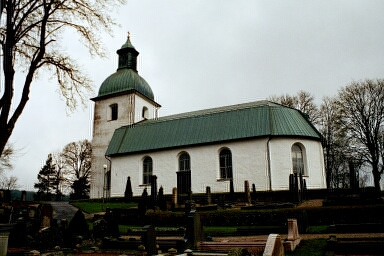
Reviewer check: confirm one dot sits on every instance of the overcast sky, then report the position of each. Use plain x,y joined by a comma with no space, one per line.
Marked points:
203,54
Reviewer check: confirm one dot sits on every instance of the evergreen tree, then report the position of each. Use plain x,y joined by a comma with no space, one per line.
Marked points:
46,181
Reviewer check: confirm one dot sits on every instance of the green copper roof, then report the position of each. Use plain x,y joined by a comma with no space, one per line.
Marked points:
244,121
126,78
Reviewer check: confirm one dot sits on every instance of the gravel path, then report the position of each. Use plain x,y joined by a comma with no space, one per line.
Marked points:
64,210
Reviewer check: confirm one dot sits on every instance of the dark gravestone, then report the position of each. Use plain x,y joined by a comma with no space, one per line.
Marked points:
292,187
149,240
7,196
143,203
354,181
128,194
174,198
231,191
253,195
296,189
77,228
305,191
162,202
208,195
112,225
301,187
23,196
189,204
153,203
194,231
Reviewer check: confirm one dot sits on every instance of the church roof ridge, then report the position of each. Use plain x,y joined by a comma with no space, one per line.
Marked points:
210,111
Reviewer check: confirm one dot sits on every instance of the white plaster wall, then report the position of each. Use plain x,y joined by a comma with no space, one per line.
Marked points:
281,162
129,106
249,160
141,102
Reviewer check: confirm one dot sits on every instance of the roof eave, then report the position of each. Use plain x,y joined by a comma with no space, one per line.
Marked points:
209,143
98,98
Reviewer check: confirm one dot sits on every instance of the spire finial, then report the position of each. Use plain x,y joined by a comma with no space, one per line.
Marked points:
129,35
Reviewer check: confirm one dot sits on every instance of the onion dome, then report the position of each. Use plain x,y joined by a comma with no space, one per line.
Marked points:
126,78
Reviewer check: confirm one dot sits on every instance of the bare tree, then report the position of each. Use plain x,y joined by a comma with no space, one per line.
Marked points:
59,176
77,158
303,101
285,99
332,142
9,183
6,157
361,113
30,38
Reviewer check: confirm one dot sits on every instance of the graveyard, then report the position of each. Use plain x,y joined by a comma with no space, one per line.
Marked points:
243,223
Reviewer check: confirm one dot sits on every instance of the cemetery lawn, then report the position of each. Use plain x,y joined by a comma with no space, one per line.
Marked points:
313,247
95,207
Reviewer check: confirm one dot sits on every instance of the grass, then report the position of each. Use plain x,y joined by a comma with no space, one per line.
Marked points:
317,229
312,247
95,207
216,231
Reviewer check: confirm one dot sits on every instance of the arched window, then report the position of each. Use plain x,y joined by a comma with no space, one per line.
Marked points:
297,159
147,170
114,111
226,164
144,113
184,162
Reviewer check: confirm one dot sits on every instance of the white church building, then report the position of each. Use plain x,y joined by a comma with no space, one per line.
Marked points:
261,142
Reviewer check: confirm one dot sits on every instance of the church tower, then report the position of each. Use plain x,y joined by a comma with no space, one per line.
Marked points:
124,98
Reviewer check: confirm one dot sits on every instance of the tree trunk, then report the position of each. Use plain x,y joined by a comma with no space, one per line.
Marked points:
376,178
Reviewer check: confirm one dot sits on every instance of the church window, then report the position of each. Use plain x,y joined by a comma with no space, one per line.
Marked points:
147,170
298,159
144,113
226,164
114,111
184,162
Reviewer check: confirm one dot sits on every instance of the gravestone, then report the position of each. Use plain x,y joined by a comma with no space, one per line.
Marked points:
149,240
194,231
77,227
162,202
174,197
153,202
128,194
231,191
353,177
247,192
291,187
112,224
274,246
305,190
23,196
296,189
143,203
46,215
293,239
5,229
254,196
301,180
208,195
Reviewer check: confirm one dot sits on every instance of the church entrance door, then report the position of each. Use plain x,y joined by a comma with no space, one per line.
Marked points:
183,185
